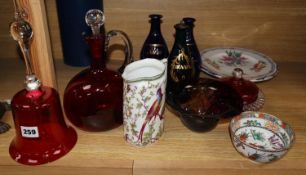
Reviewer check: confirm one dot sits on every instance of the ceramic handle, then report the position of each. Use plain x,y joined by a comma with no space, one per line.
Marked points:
128,46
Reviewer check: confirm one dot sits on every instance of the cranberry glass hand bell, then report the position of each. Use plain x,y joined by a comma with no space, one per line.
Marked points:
93,98
42,135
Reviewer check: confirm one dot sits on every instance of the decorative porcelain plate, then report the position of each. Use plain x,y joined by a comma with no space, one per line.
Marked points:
220,63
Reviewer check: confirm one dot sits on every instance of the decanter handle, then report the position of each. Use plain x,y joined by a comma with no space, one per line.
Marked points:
128,47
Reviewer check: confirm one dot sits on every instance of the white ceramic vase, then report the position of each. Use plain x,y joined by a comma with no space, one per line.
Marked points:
144,97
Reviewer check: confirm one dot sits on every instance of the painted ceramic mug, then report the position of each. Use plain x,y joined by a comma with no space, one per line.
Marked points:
144,97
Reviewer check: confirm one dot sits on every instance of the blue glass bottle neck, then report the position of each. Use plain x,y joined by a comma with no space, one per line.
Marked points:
189,34
180,36
155,26
190,23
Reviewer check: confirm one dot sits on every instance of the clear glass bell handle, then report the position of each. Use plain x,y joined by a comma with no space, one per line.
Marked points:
128,47
21,31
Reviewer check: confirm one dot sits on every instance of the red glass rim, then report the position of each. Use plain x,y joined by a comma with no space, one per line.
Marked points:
48,155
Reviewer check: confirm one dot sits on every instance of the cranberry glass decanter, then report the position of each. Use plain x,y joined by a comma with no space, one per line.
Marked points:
93,98
42,135
253,98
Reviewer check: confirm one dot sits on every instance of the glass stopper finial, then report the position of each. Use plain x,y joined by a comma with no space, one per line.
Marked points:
238,73
95,19
21,31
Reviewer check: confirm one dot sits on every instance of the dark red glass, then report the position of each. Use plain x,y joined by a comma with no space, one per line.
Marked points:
42,135
203,104
246,89
252,96
93,98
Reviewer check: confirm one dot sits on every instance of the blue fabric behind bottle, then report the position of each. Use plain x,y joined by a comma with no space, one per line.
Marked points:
71,15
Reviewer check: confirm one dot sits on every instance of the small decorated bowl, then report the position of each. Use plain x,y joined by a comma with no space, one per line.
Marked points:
260,137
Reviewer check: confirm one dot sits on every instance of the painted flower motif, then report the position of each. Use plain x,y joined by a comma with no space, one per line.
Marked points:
259,66
243,137
255,156
261,115
238,143
233,58
275,142
212,63
252,123
272,126
272,119
257,135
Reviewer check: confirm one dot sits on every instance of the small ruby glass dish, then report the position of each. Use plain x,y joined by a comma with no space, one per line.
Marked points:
253,98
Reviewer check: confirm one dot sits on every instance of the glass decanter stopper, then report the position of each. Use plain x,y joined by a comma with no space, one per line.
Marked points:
181,70
252,96
193,48
155,45
42,135
95,20
93,98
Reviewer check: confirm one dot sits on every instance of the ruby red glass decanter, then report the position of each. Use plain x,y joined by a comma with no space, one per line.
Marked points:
93,98
42,135
253,98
